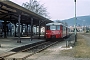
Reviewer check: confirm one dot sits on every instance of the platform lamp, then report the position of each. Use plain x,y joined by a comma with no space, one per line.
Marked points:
75,23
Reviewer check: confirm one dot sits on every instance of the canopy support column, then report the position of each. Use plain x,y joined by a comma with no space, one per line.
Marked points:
19,40
15,30
39,30
31,28
5,29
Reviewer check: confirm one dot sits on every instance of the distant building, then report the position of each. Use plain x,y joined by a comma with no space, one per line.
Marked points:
79,28
71,29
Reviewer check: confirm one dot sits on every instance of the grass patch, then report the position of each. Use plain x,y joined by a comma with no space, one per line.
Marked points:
81,50
67,53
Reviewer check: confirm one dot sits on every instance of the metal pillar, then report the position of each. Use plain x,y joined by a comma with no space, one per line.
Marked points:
45,30
31,28
19,40
75,23
27,30
39,30
15,30
5,28
36,30
22,30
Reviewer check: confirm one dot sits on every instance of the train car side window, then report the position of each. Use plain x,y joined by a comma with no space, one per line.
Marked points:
48,28
58,27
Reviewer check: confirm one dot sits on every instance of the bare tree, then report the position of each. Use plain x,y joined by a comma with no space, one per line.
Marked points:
34,6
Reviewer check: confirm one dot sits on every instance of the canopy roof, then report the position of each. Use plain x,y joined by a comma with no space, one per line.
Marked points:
10,11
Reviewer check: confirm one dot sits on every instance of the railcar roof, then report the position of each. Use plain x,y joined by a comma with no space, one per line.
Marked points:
54,24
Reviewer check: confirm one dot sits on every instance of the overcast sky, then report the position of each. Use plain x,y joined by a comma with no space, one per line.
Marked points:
63,9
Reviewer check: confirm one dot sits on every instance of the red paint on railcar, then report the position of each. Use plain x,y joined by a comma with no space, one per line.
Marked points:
56,30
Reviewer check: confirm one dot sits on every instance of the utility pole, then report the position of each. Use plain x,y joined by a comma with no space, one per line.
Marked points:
75,23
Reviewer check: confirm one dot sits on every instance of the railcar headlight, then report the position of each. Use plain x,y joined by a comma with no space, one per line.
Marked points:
59,33
47,33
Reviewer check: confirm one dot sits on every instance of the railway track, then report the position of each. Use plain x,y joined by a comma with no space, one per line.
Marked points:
23,54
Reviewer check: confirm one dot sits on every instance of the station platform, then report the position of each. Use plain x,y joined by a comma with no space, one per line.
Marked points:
10,43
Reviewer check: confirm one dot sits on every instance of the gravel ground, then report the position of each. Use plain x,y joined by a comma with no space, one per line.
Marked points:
54,53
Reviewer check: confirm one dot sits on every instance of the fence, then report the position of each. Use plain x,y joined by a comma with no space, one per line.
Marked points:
70,41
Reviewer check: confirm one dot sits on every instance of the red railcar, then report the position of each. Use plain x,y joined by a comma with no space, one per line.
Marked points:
56,30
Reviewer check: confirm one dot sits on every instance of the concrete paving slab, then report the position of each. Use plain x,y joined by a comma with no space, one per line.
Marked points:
6,54
8,44
18,56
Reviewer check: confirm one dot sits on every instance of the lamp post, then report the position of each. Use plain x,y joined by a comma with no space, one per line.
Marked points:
75,23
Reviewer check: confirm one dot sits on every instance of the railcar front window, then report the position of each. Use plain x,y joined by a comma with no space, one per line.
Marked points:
52,27
48,28
58,27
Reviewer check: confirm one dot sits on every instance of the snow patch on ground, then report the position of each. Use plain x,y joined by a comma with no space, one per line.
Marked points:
65,48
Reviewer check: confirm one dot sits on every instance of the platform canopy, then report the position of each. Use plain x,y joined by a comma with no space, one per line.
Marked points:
10,11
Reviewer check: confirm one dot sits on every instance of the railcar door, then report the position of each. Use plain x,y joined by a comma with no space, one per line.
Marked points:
61,29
